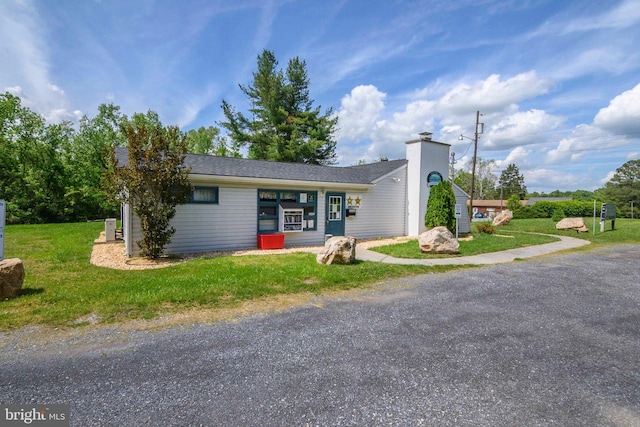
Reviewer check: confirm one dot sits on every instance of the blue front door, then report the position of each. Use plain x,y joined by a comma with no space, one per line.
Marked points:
335,214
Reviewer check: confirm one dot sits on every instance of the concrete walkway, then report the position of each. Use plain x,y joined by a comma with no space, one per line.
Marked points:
481,259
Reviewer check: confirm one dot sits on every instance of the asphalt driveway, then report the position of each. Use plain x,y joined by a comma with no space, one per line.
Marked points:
551,341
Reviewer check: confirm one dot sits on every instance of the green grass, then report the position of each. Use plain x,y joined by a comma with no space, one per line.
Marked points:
626,230
481,243
61,285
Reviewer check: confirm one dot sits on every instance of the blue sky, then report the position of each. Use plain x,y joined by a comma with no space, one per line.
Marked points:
557,82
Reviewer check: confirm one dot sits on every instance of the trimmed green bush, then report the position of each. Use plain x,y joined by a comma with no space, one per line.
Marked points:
441,205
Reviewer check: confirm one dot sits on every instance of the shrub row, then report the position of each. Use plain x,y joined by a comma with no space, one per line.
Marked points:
566,209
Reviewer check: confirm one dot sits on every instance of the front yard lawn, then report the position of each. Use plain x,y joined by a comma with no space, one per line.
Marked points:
61,285
481,243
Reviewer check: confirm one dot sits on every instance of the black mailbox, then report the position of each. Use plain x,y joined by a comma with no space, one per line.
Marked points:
351,212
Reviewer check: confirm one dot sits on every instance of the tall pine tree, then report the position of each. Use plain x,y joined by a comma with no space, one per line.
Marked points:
282,124
512,182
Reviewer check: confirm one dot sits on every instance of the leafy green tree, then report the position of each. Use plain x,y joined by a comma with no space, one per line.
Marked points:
86,159
511,183
283,125
624,188
32,175
463,180
208,141
441,206
485,180
513,203
154,181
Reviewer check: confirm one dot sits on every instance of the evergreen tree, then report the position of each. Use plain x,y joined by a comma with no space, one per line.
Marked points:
441,207
512,182
283,125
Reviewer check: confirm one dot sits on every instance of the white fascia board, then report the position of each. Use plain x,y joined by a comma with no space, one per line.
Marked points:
375,181
268,182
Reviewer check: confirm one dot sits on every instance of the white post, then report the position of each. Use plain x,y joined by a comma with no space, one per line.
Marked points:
594,217
458,214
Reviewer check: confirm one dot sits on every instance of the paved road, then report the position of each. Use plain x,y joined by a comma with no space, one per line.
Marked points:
553,341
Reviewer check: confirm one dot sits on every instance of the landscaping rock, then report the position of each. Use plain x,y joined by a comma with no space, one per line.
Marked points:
503,218
576,224
338,250
438,240
11,277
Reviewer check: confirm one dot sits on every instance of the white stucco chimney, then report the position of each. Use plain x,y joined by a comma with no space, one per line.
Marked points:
428,161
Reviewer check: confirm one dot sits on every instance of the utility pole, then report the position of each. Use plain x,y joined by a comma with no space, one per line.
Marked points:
473,167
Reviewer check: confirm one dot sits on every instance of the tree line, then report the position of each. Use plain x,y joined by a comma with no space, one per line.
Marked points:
623,189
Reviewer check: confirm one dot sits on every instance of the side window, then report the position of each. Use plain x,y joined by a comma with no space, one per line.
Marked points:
204,195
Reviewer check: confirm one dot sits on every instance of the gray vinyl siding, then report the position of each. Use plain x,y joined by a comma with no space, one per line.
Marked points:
383,212
230,224
464,225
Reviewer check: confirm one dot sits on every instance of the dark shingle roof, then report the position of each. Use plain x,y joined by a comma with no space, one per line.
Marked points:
533,200
263,169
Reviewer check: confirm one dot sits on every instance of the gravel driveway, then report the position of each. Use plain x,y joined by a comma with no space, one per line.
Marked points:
551,341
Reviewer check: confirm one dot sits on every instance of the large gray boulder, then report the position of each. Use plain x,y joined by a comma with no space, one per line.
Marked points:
503,218
11,277
338,250
438,240
576,224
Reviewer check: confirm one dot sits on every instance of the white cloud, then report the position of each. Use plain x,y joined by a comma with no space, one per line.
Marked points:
361,121
623,16
622,116
493,94
521,128
193,105
23,42
582,139
359,112
389,136
607,178
517,156
550,179
364,116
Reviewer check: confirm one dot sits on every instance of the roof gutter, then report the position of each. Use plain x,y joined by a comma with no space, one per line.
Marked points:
271,182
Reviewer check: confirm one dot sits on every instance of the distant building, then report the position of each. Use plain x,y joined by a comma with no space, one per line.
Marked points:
491,207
